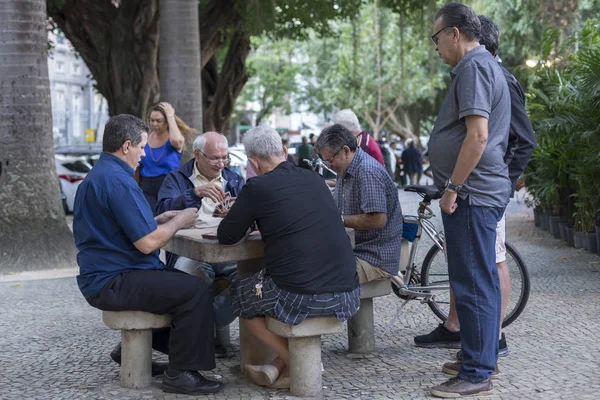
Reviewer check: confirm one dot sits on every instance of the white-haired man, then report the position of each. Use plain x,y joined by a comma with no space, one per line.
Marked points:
349,120
202,183
310,268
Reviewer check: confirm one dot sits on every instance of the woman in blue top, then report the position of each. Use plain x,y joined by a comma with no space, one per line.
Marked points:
163,151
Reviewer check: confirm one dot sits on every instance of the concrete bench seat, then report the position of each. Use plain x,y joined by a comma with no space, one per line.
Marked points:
305,351
136,344
361,327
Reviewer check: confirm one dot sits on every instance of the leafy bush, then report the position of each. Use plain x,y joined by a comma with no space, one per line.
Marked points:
564,106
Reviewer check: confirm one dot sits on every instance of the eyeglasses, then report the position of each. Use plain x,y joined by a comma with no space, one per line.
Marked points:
328,162
434,37
216,160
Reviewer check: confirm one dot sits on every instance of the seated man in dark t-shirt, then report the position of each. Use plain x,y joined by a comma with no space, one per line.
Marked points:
310,268
118,240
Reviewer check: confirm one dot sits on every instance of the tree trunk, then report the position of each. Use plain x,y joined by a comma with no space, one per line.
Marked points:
401,31
232,78
102,34
33,231
120,47
213,18
180,70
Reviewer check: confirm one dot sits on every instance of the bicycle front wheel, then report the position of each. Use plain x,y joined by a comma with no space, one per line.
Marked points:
434,272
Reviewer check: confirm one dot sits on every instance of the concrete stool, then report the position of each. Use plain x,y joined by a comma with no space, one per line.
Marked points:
361,327
136,344
305,351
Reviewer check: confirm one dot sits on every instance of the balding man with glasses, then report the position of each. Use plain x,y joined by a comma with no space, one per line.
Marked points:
367,200
202,183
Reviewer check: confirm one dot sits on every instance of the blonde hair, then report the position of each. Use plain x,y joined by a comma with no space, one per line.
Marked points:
187,131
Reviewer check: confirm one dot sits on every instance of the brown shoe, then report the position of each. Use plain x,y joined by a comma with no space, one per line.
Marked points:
458,387
452,368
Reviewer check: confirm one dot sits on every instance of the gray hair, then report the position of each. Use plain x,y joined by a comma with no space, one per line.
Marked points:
347,119
462,17
335,137
263,142
200,142
121,128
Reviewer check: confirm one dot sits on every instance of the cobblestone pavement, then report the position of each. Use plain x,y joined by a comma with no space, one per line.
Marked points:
55,346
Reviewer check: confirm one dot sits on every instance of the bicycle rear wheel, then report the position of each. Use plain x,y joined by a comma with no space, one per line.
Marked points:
434,272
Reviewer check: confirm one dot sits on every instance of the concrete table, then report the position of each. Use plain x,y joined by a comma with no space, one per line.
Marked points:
249,256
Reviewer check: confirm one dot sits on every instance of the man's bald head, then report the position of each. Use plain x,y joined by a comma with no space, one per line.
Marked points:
210,140
211,151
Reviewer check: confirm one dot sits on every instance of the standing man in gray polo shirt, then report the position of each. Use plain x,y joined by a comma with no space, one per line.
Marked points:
466,150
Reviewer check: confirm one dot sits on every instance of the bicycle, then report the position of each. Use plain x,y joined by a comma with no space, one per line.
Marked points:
431,283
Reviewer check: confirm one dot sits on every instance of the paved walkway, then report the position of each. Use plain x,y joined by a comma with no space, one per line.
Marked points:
55,346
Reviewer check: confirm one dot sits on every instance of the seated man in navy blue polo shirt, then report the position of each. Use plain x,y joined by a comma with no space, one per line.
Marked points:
118,240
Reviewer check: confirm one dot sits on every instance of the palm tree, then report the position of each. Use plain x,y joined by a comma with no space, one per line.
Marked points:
33,231
180,68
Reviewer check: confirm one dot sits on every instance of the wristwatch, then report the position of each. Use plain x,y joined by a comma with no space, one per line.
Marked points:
452,187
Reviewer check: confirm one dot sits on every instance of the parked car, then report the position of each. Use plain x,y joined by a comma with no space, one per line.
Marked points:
90,151
71,171
63,198
238,161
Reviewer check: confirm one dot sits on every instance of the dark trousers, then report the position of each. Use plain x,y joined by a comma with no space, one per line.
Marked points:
151,187
187,299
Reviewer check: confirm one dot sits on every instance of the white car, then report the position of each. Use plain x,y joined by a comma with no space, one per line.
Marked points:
71,171
238,161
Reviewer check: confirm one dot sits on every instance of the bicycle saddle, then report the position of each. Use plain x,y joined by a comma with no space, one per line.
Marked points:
431,191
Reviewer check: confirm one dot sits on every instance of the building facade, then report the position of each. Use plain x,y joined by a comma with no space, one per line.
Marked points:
79,112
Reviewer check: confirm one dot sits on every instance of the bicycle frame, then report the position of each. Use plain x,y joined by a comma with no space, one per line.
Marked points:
424,224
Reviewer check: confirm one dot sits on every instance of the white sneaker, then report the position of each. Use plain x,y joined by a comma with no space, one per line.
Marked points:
263,375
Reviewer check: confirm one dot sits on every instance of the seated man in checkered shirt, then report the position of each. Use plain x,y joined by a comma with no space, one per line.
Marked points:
368,201
310,268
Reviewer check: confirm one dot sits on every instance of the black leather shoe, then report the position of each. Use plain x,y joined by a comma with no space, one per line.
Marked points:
439,337
115,354
158,368
189,382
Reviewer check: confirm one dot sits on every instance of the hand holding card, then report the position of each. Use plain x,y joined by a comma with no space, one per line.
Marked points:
224,206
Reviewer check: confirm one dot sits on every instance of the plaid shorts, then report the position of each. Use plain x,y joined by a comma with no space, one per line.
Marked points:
290,308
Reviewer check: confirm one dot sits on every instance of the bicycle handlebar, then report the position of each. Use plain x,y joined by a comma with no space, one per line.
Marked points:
318,163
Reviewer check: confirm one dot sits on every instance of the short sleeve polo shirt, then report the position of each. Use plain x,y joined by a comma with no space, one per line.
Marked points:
478,88
110,214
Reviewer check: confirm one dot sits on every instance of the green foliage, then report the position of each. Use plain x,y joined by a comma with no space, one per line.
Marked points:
272,69
292,18
565,110
344,73
340,70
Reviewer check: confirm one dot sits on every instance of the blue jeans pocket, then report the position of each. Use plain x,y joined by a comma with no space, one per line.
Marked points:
491,216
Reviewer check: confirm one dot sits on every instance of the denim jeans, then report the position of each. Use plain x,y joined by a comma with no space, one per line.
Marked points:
223,312
470,234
